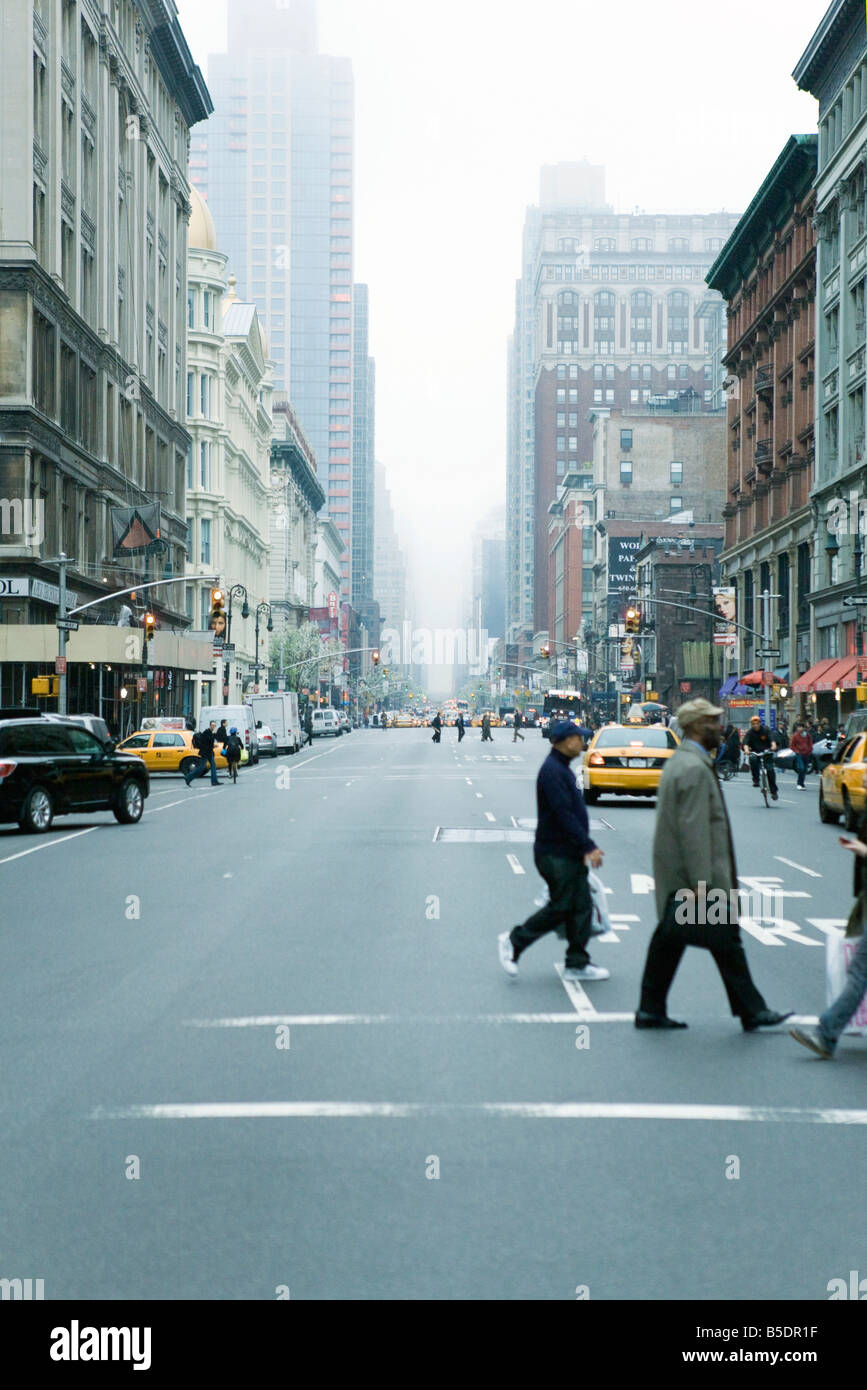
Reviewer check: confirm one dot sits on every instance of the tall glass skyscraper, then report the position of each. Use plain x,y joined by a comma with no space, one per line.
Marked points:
275,164
363,447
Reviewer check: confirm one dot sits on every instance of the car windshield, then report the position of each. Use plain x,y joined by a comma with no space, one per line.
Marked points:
636,738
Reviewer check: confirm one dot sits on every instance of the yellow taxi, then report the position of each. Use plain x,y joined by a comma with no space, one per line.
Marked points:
626,760
841,790
495,720
167,750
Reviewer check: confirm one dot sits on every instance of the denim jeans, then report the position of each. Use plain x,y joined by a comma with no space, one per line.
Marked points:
837,1015
206,764
800,767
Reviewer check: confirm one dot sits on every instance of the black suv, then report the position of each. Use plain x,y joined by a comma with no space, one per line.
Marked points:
50,767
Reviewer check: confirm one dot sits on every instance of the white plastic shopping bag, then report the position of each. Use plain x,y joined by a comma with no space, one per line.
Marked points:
598,892
839,950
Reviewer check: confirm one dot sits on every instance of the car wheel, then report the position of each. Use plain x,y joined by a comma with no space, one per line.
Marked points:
591,796
129,807
850,817
826,815
37,813
186,766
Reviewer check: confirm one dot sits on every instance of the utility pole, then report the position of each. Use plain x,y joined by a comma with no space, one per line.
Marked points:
61,635
766,637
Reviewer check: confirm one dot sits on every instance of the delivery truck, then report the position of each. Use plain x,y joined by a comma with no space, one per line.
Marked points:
280,712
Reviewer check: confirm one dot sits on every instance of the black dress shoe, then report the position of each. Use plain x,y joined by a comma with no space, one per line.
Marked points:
643,1020
766,1019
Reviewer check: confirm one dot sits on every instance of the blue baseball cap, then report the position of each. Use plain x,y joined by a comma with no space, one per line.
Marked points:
565,728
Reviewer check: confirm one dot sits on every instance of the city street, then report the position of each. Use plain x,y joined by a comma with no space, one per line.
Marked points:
262,1040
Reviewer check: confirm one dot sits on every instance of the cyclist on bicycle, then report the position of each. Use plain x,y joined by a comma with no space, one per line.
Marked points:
729,760
759,743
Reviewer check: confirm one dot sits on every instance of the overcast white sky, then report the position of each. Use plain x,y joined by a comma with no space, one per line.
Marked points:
458,104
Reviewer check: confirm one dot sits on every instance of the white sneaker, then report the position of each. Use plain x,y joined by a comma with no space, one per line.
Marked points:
587,972
507,957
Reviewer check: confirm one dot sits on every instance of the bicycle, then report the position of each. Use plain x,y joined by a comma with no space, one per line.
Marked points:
764,784
727,769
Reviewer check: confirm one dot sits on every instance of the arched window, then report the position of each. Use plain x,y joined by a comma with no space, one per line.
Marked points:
567,243
642,302
605,243
641,243
678,243
678,300
567,299
604,301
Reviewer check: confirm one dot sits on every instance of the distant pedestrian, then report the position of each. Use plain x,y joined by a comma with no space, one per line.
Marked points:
308,729
802,746
222,735
824,1038
383,720
437,726
459,725
517,727
563,852
205,747
233,749
696,879
487,736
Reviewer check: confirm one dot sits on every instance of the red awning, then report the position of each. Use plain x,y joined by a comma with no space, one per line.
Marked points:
758,678
843,673
808,680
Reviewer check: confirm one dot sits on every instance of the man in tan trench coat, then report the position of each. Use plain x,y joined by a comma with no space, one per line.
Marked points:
696,879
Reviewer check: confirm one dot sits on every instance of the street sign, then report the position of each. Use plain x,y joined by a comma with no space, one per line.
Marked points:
141,685
769,651
67,624
60,666
855,601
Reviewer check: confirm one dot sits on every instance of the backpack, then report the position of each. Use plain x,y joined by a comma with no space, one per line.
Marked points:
197,743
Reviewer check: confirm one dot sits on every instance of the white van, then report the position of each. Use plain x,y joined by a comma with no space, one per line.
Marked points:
326,722
280,713
238,717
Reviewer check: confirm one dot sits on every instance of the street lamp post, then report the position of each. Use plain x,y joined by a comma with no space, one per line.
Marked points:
261,608
245,613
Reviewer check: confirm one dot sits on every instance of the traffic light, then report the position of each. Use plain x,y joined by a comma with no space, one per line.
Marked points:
149,622
374,656
544,653
217,603
633,619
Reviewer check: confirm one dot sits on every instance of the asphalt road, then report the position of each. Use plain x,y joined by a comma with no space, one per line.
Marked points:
262,1041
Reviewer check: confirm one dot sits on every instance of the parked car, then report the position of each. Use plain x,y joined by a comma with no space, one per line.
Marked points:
841,789
326,724
626,760
53,767
167,750
267,742
345,722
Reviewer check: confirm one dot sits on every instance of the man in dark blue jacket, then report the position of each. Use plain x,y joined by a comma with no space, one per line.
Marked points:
563,852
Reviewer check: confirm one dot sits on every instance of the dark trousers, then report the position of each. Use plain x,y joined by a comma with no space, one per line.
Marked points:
570,907
206,763
769,764
801,767
437,734
461,732
668,944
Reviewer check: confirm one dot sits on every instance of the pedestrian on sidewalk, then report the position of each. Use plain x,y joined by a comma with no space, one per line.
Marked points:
308,729
459,725
487,736
802,746
824,1038
693,855
206,741
563,851
437,726
517,733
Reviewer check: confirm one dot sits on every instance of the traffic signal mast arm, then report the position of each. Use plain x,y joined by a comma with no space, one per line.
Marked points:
705,613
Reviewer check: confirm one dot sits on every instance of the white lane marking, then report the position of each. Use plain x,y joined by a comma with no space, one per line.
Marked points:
468,782
49,843
577,997
777,927
490,815
826,924
622,917
642,883
517,866
352,1020
767,886
436,832
155,810
792,865
527,1110
479,795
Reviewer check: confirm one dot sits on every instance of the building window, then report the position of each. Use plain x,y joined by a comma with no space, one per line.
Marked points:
561,443
561,395
573,372
675,504
189,393
676,474
626,439
573,444
204,469
205,394
205,547
597,395
641,243
191,310
561,371
625,472
561,419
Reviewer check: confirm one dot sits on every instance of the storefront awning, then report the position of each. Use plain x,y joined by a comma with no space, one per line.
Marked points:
807,681
842,672
758,678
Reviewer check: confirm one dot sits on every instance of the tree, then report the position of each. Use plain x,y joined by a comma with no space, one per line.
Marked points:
299,653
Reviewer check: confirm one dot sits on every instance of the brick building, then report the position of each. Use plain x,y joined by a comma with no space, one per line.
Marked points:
767,275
